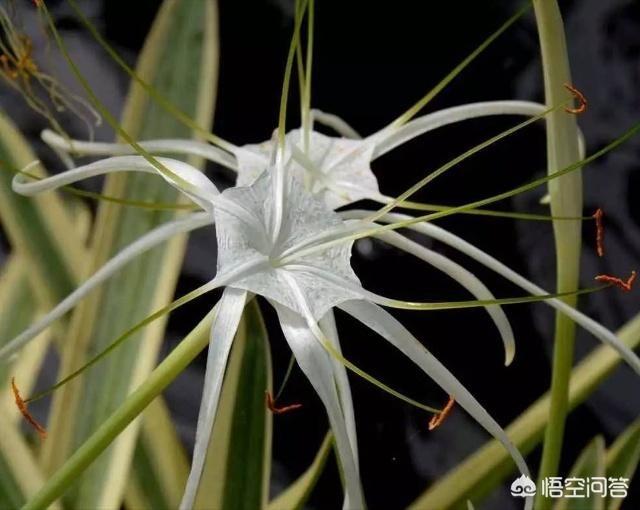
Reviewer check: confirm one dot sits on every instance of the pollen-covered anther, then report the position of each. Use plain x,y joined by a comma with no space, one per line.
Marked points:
579,96
22,406
598,216
271,405
20,65
437,419
42,92
618,282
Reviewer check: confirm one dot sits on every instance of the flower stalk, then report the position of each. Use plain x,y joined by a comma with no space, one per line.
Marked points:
566,199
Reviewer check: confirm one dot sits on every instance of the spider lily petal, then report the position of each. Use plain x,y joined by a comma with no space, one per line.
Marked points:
182,176
126,255
389,138
318,367
336,123
188,179
164,146
465,278
328,325
223,331
596,329
395,333
502,322
339,170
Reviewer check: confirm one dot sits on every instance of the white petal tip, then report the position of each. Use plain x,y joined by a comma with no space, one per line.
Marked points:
53,139
18,181
509,356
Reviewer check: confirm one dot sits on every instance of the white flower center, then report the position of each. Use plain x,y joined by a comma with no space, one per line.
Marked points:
304,216
336,169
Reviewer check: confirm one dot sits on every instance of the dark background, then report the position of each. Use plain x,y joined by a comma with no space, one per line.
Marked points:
373,60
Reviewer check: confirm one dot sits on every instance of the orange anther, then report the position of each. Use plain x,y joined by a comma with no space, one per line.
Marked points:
437,419
271,405
582,101
598,215
614,280
20,63
22,406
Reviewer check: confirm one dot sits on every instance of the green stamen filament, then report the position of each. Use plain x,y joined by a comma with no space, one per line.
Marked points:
411,112
200,291
158,97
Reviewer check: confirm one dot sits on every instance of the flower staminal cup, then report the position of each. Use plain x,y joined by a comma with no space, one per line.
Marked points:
336,169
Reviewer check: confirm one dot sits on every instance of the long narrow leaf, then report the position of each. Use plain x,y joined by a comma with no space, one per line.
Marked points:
20,475
623,457
589,464
121,418
182,42
566,200
237,471
41,229
160,464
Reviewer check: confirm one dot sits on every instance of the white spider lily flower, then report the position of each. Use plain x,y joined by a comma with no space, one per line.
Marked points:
204,193
336,168
256,226
303,294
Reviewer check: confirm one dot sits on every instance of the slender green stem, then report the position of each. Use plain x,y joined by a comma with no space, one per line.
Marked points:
155,94
566,200
441,85
131,408
307,81
295,40
285,379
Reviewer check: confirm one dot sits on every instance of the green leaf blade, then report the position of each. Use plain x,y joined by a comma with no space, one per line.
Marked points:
179,60
238,467
589,464
623,457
